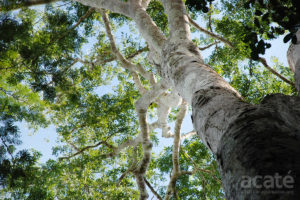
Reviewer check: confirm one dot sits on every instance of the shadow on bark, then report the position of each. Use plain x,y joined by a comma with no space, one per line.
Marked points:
259,154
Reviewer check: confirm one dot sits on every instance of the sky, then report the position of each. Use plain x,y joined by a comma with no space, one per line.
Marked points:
45,138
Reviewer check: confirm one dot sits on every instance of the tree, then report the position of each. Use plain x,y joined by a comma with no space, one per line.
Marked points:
256,146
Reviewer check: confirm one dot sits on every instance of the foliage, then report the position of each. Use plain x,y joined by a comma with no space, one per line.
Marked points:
271,19
47,76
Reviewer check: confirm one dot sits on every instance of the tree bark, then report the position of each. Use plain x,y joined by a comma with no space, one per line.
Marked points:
294,59
258,142
263,144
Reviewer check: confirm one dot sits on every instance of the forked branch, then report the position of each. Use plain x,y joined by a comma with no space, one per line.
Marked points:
126,63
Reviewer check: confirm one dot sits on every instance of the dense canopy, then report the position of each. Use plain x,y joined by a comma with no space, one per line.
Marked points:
57,60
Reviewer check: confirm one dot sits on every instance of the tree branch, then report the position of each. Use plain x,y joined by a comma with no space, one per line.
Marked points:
116,150
264,62
196,168
125,63
175,157
147,98
146,26
187,135
147,147
210,33
62,35
179,119
178,20
100,61
165,103
115,6
152,189
142,105
187,173
130,169
86,15
82,150
208,46
145,3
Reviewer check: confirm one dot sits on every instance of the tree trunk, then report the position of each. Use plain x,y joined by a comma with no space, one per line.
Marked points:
263,146
257,146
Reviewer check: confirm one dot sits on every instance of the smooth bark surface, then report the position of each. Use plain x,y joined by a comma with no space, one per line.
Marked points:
293,57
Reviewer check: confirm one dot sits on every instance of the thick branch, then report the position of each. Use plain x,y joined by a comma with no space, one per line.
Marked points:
113,5
147,147
141,106
150,95
145,3
187,135
178,20
146,26
165,103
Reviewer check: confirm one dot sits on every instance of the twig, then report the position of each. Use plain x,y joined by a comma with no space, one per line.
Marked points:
264,62
210,33
208,46
81,150
86,15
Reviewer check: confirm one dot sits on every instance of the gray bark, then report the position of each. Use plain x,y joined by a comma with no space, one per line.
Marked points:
264,142
294,60
248,140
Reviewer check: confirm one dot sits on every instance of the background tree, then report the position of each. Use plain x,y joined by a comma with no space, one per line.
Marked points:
48,78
